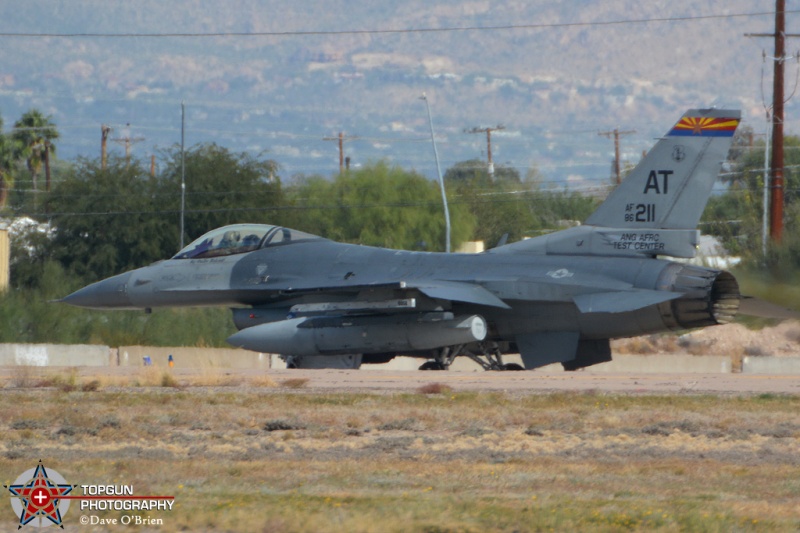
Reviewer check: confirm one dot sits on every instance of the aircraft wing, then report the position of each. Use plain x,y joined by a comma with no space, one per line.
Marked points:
456,291
617,301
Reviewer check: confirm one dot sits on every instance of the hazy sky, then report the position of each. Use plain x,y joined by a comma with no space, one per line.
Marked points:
553,73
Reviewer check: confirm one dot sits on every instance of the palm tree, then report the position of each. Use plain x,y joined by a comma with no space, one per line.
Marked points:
34,134
7,158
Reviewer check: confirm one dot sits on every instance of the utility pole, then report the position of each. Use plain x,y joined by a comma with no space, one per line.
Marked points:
488,132
104,131
183,170
341,138
615,135
439,172
777,164
776,213
765,193
128,141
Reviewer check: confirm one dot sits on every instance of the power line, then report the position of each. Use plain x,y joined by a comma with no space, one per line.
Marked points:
301,33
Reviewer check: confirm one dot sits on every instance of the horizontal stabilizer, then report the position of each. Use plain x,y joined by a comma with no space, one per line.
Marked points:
621,302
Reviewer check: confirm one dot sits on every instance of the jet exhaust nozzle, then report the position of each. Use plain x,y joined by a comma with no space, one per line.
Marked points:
710,297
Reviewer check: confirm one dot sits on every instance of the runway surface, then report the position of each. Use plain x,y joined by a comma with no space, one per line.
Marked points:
344,380
334,380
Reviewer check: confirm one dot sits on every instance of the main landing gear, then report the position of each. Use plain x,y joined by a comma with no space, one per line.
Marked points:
489,357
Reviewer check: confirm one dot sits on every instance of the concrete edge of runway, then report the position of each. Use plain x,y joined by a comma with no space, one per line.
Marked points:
383,381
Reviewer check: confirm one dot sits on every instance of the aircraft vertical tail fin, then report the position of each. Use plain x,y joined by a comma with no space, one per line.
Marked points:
670,187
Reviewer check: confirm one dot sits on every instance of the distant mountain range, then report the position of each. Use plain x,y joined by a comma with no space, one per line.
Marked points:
553,73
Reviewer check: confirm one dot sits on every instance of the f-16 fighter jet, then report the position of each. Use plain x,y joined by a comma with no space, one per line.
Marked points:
558,298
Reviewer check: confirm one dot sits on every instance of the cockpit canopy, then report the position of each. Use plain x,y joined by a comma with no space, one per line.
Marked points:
241,238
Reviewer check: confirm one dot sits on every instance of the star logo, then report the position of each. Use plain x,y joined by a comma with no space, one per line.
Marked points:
36,497
560,273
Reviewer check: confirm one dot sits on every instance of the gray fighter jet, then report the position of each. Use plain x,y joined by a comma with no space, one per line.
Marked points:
557,298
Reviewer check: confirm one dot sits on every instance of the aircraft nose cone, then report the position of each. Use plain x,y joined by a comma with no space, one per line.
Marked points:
107,294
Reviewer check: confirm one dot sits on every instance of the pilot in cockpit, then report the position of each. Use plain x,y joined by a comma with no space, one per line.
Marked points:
230,239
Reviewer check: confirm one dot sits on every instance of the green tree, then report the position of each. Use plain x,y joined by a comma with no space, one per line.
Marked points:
498,203
34,134
30,249
313,205
476,172
554,209
221,188
7,158
377,205
736,216
507,205
109,220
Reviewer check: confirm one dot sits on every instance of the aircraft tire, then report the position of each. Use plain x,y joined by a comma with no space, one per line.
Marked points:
431,365
513,366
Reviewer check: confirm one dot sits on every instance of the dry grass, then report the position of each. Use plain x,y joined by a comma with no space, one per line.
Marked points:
260,380
252,458
168,380
435,388
67,380
23,376
295,383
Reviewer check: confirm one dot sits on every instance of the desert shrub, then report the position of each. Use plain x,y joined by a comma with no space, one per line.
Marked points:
435,388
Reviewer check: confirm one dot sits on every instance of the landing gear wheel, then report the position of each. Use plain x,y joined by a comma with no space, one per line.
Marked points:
512,366
432,365
345,361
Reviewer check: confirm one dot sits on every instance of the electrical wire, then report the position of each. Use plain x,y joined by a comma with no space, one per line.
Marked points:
303,33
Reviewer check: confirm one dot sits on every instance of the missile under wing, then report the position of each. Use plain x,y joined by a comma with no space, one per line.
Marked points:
558,298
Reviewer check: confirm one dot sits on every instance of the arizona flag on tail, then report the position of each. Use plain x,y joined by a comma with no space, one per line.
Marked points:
669,188
705,127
